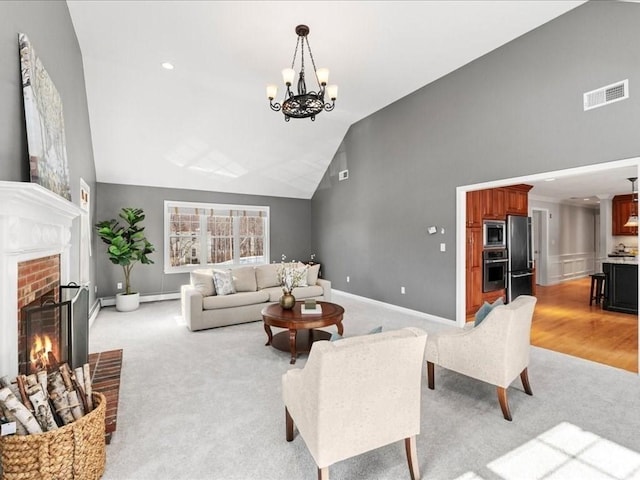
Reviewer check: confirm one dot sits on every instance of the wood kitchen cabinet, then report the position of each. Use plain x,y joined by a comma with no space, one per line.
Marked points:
474,208
517,199
493,206
474,269
488,204
621,207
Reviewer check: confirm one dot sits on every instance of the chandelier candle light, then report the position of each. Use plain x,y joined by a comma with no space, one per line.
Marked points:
304,104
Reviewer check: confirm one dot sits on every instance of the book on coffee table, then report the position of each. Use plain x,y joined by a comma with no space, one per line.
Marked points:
317,309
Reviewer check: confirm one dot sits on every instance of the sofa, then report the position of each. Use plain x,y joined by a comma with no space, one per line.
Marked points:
220,297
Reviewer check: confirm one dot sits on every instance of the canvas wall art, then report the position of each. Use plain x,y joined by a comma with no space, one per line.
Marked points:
45,124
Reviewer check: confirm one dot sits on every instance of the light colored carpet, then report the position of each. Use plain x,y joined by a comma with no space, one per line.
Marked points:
208,405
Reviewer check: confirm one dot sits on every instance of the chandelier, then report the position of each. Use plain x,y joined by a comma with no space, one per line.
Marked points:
633,218
304,104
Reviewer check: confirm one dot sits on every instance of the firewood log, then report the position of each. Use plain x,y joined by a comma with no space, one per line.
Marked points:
8,414
87,386
6,382
78,383
20,411
55,383
75,405
66,376
43,412
31,379
23,392
42,379
61,405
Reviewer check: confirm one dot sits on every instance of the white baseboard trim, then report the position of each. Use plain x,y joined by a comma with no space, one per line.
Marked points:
397,308
110,301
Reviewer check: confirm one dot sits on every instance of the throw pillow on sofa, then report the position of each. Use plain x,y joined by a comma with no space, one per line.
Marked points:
244,279
223,280
302,269
485,310
312,274
202,280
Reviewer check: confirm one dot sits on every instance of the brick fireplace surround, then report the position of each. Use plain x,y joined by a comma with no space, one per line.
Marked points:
34,224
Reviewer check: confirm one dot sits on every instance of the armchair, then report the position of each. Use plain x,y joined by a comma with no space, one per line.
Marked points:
357,394
496,351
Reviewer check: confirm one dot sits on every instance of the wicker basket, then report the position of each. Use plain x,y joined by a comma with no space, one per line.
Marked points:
75,451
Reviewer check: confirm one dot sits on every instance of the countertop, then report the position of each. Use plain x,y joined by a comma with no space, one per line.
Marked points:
628,260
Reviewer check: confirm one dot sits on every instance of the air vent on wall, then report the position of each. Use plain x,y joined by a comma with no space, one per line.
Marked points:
343,175
606,95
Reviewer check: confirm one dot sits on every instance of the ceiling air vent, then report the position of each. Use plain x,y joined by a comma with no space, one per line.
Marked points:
606,95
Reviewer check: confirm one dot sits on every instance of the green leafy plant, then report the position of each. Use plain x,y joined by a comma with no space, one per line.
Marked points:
126,244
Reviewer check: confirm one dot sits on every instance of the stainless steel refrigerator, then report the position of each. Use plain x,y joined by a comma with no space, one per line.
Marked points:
520,254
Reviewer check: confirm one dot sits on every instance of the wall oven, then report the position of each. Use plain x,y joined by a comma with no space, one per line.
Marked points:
494,269
494,234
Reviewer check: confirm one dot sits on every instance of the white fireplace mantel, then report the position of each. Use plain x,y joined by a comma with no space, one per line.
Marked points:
34,223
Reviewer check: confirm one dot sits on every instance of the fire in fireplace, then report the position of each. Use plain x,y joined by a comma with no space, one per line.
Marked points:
55,331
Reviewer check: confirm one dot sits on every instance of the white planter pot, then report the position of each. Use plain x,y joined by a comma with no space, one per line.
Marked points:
127,303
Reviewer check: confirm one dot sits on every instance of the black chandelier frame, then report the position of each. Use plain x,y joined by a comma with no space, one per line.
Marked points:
305,104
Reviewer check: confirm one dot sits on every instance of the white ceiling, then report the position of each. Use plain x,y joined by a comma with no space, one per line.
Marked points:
206,125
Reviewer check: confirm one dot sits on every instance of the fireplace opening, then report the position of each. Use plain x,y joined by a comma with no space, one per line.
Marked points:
55,331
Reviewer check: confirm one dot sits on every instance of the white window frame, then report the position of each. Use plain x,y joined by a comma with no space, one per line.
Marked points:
170,204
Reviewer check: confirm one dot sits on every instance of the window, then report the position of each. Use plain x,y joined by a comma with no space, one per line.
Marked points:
200,234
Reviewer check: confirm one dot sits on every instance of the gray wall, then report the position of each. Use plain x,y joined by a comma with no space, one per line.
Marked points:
516,111
571,227
290,230
49,28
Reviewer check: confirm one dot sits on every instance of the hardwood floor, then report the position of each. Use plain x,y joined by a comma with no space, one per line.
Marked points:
563,321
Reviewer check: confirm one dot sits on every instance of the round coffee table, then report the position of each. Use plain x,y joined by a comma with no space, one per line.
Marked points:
300,326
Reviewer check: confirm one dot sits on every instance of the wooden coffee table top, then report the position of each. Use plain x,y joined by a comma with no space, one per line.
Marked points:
294,319
300,333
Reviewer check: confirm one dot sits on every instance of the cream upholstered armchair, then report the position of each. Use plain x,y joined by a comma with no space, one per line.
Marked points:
357,394
496,351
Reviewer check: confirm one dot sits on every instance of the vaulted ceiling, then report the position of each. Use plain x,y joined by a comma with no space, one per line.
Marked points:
206,124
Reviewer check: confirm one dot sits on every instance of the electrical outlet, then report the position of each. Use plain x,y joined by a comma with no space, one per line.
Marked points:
347,278
443,247
402,290
95,288
119,285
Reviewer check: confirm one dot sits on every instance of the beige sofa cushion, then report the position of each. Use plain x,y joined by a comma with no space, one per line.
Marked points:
244,279
235,300
202,280
267,275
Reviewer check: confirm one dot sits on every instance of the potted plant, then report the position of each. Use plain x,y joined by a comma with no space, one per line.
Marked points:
126,246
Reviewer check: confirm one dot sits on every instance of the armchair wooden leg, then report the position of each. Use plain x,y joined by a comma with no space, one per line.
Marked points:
412,457
323,473
504,403
430,375
524,376
289,425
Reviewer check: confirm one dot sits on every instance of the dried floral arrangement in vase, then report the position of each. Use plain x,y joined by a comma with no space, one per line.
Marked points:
290,275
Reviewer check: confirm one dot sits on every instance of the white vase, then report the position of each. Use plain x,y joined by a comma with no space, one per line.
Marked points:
127,303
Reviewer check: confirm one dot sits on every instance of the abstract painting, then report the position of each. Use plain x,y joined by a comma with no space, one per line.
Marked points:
45,124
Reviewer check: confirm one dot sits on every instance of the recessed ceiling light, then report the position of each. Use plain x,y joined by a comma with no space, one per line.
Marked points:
549,179
167,65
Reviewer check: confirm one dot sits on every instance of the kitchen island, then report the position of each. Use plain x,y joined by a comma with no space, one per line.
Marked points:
621,285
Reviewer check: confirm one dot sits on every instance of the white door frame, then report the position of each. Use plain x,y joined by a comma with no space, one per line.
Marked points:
542,271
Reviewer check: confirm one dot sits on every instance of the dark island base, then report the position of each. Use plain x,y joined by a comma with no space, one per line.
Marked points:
621,287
